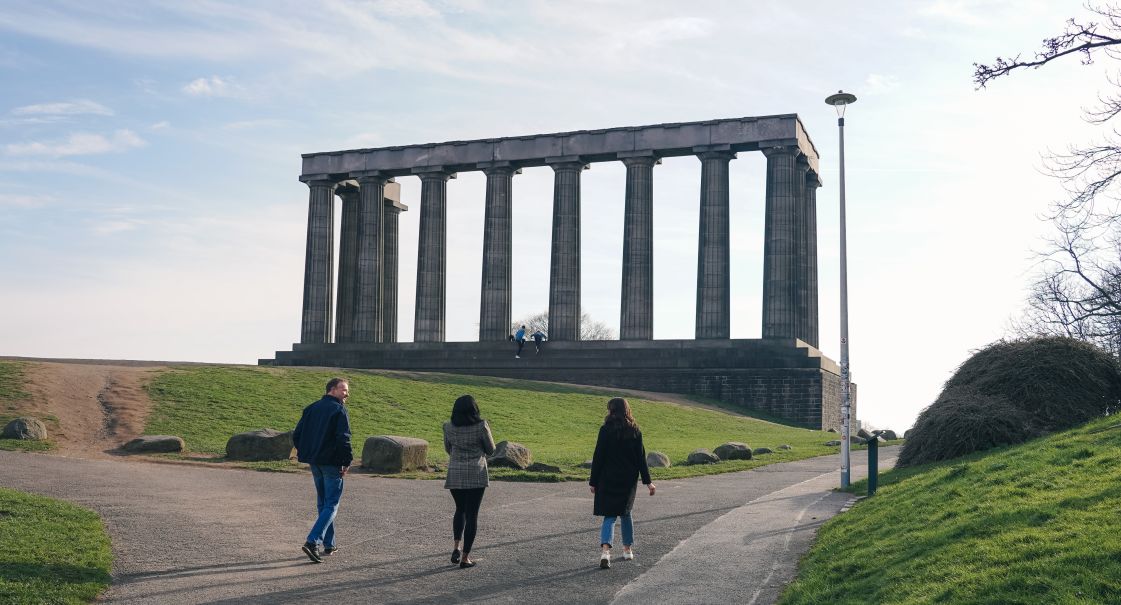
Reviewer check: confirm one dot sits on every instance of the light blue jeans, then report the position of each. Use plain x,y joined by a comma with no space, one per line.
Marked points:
608,529
328,491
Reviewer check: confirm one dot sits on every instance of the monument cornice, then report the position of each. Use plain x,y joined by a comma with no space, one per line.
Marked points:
604,145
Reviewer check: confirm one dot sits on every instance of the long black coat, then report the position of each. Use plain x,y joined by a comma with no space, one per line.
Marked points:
618,462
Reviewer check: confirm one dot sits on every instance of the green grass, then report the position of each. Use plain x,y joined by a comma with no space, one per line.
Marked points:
54,552
1034,523
11,394
206,405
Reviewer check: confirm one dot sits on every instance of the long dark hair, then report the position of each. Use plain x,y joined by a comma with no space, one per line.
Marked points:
619,417
465,412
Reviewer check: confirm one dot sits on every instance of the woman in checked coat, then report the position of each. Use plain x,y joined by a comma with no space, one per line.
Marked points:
468,441
618,462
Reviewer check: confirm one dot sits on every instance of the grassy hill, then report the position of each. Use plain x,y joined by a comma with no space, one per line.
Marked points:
207,404
1034,523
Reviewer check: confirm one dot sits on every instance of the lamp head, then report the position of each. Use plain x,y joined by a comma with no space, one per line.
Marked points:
840,100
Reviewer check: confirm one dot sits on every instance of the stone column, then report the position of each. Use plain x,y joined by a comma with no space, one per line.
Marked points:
801,283
348,264
393,209
431,266
564,267
315,326
780,261
714,290
636,309
813,181
368,292
496,298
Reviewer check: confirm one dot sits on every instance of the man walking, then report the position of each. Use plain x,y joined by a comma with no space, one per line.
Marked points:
322,440
538,336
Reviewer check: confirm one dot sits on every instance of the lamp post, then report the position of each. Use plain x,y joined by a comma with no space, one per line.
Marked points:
839,101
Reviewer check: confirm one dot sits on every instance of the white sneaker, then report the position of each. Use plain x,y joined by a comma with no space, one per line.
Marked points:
517,357
605,560
628,555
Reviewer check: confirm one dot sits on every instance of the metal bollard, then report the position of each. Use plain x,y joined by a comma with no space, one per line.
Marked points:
873,463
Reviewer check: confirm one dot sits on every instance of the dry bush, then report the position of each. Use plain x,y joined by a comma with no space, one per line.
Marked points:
1012,391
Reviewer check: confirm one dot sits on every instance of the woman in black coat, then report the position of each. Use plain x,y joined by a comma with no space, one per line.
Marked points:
619,461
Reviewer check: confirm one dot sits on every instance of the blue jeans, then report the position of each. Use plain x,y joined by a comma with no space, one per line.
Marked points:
608,529
328,491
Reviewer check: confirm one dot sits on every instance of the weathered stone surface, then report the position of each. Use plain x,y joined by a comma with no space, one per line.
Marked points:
261,444
25,428
835,442
154,444
761,450
907,433
511,455
657,460
540,467
733,450
784,447
702,456
394,454
831,430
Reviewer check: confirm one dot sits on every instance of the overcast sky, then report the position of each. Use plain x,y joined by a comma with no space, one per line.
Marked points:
149,155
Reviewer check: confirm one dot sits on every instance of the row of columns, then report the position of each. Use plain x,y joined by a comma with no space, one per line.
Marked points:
368,249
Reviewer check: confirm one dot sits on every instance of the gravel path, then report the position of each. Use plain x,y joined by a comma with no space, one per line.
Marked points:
188,534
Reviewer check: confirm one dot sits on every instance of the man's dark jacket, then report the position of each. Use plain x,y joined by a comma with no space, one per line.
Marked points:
323,434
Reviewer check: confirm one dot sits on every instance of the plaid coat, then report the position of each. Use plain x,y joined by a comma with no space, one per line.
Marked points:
467,448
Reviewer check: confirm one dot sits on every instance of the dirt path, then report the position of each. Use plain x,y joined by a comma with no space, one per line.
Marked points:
98,407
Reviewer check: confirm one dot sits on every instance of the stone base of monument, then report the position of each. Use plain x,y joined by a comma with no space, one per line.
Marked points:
393,454
783,378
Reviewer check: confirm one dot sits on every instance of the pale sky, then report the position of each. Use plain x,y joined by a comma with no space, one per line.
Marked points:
149,155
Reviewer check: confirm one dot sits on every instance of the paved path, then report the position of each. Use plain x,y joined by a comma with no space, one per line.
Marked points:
188,534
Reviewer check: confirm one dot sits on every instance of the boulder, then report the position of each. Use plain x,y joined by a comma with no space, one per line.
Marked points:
907,433
394,454
25,428
539,467
510,455
586,464
830,430
657,460
261,444
785,447
761,450
889,434
154,444
733,450
703,456
835,442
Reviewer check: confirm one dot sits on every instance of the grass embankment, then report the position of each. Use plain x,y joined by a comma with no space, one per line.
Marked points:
11,393
54,552
206,405
1034,523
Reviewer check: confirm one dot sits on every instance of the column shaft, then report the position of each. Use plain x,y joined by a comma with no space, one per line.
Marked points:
496,297
389,273
714,248
780,259
801,273
564,267
636,309
319,263
348,264
368,308
810,216
431,267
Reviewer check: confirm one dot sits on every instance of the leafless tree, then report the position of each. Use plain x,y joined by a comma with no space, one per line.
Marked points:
590,329
1078,289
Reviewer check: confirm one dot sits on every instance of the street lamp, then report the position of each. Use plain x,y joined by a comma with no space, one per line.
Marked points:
839,101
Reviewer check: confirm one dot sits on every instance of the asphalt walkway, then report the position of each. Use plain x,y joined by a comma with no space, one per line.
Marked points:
189,534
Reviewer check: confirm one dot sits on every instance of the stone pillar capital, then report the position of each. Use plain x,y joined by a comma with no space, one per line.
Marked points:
781,150
395,206
714,152
433,173
319,180
498,168
638,158
371,176
345,189
569,163
813,179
